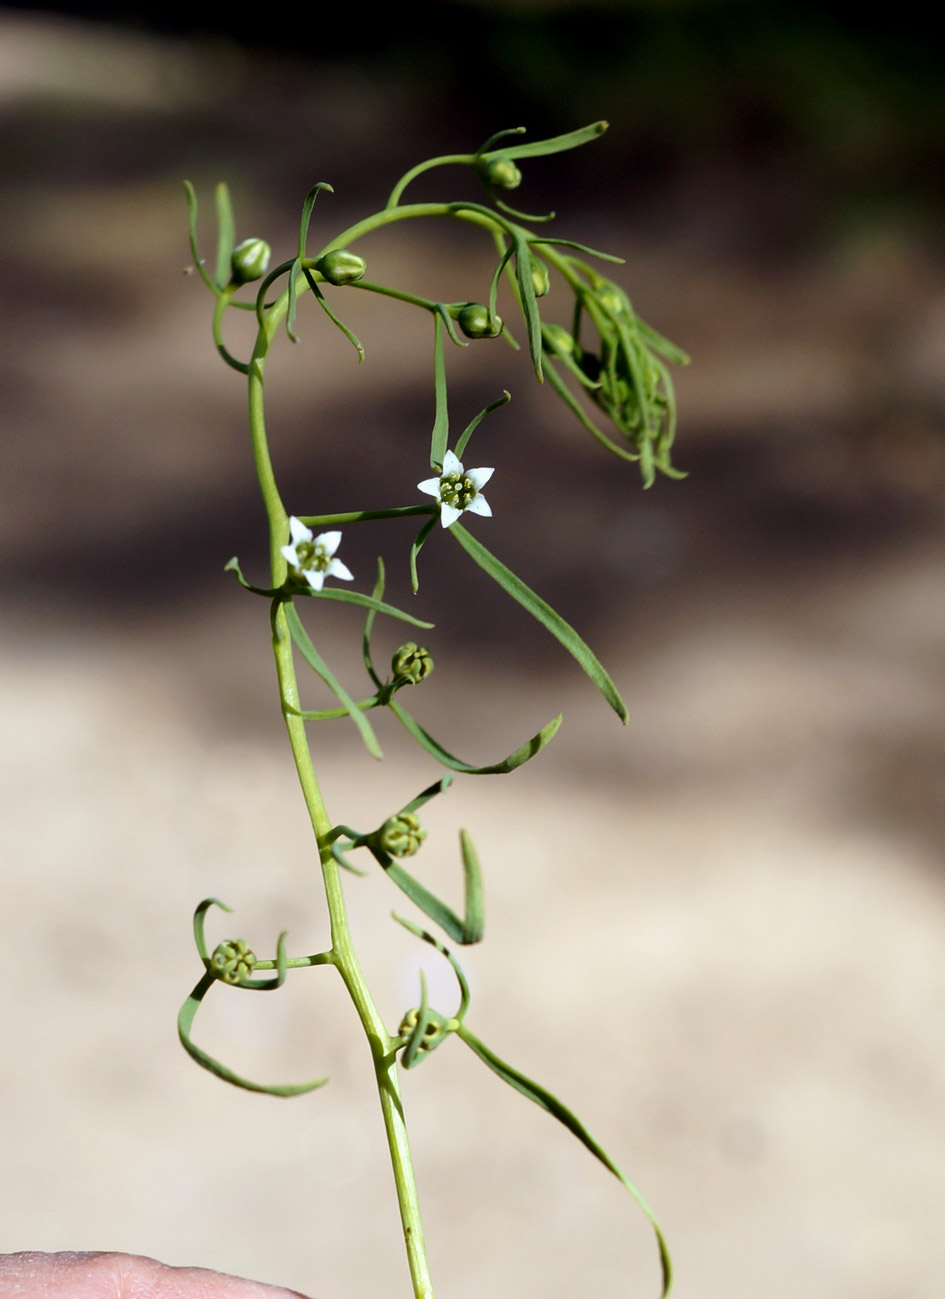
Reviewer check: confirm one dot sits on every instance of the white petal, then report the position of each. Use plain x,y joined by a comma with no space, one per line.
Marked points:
431,486
337,569
479,477
315,580
451,465
329,540
449,514
299,531
289,553
479,505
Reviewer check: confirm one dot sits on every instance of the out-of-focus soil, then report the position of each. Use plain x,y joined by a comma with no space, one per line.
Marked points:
718,934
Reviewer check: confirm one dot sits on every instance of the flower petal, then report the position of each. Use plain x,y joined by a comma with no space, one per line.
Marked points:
337,569
479,505
299,531
431,486
316,580
289,554
329,540
449,514
452,464
479,477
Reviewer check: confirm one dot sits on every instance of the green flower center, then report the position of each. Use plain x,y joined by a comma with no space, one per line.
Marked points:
457,490
312,556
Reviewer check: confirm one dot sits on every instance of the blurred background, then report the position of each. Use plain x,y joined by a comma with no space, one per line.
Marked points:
717,934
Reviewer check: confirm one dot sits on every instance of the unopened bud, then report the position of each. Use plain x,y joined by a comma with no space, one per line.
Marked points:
475,321
559,338
341,266
500,172
413,662
232,961
250,260
540,279
402,835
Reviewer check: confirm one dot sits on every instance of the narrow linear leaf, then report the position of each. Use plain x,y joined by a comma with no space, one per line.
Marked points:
368,602
293,300
369,624
499,135
474,423
192,232
424,1020
307,206
184,1024
226,234
662,345
464,931
529,303
557,144
441,422
547,1101
516,759
496,275
322,301
427,937
320,667
543,613
416,546
537,218
582,248
570,400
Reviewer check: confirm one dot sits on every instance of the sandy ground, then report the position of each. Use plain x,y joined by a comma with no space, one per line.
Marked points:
719,935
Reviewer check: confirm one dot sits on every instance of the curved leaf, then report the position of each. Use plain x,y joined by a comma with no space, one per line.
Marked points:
369,602
541,1096
557,144
543,613
315,661
447,759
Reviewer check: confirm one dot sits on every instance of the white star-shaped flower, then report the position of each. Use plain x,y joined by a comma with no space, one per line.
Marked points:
458,489
312,558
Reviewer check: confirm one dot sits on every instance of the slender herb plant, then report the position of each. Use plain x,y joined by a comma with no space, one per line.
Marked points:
605,360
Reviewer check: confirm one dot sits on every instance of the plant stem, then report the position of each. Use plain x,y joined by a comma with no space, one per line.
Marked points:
343,956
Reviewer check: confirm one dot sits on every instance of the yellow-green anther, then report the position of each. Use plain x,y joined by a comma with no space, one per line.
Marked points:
475,322
402,835
250,261
540,280
413,662
341,266
500,172
232,961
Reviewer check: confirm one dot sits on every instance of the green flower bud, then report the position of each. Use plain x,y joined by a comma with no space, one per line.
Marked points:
250,261
341,266
560,337
436,1030
612,300
540,278
413,662
475,321
232,961
500,172
402,835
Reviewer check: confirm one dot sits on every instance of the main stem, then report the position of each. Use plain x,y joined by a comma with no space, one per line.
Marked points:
383,1047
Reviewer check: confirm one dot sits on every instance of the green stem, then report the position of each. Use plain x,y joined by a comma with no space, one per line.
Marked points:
343,956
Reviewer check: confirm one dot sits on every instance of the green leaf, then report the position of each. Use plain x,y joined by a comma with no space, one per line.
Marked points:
320,298
226,237
582,248
529,303
557,144
293,300
543,612
465,931
369,602
444,951
547,1101
474,423
307,206
441,422
192,233
369,624
321,668
184,1025
570,400
416,546
436,750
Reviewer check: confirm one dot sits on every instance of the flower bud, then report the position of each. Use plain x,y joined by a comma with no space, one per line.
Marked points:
412,662
249,260
341,266
559,336
611,299
540,278
232,961
500,172
475,321
402,835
